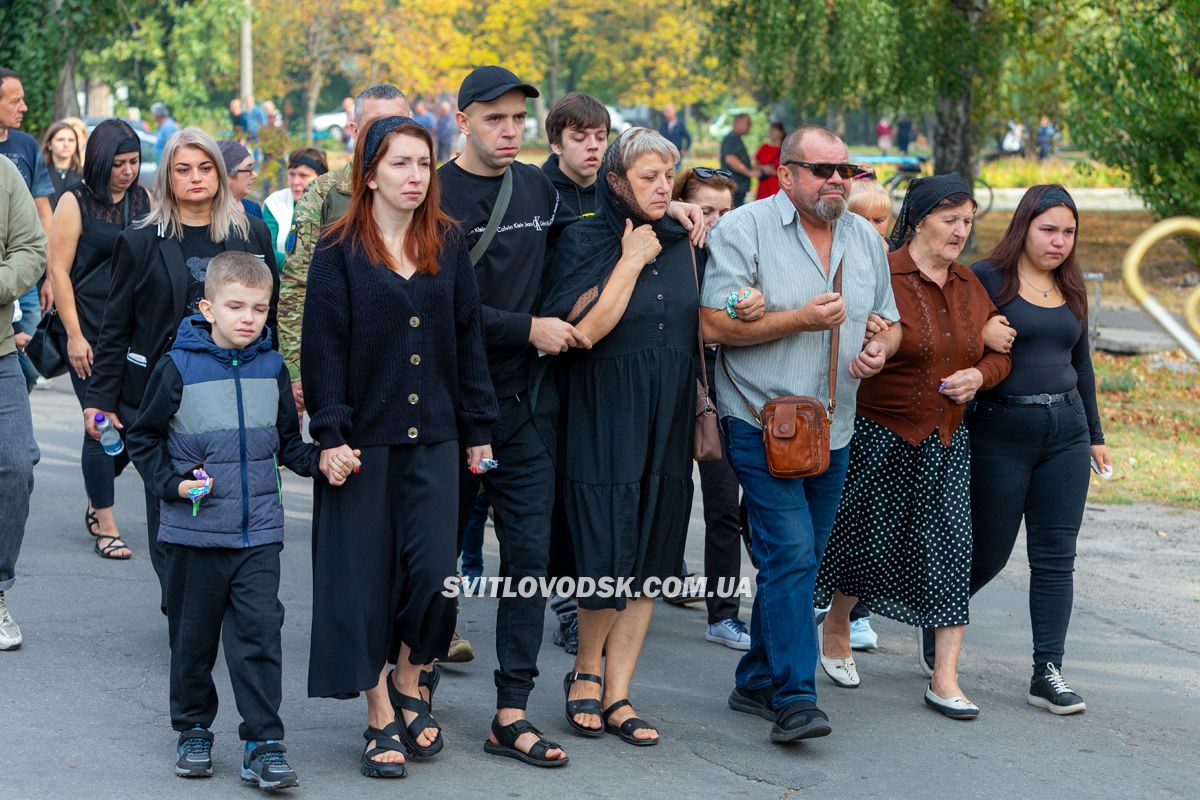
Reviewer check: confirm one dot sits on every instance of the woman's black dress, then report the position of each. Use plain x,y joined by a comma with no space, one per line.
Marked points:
628,408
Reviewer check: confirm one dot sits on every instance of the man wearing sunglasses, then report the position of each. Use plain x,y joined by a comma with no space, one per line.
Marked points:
792,247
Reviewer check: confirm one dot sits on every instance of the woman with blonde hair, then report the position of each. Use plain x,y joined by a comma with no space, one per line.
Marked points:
158,269
870,200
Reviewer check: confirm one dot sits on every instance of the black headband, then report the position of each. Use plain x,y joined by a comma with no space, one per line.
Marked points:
375,135
1056,196
310,162
130,144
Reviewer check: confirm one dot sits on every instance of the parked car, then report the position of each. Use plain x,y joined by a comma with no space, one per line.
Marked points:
641,116
329,125
147,140
617,121
723,124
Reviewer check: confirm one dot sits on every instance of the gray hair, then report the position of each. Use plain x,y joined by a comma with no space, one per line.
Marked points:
228,217
159,110
637,142
376,91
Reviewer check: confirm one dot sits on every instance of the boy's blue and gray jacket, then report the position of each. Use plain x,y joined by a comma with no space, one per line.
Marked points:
232,412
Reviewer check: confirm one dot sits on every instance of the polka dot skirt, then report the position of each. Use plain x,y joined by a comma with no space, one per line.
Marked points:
902,540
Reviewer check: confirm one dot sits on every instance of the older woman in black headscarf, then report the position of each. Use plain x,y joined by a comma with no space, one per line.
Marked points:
901,543
625,279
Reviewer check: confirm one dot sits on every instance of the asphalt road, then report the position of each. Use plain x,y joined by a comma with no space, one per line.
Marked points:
84,703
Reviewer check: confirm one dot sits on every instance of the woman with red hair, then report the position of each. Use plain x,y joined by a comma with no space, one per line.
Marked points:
397,385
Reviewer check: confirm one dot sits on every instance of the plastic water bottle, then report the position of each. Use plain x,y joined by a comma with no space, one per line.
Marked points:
110,440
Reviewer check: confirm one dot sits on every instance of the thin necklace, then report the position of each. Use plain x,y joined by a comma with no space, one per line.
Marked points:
1045,292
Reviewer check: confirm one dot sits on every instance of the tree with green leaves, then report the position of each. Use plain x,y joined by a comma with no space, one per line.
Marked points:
1137,90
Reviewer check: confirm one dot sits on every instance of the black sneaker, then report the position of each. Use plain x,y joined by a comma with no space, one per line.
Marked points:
1050,691
754,701
800,720
194,754
267,765
567,635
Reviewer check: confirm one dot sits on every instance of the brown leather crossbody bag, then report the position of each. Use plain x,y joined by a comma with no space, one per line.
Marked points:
795,428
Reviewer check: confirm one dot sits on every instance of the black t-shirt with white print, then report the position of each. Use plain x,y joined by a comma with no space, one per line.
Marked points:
510,272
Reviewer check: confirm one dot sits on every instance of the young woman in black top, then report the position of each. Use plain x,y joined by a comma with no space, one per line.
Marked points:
1033,434
157,279
396,381
87,221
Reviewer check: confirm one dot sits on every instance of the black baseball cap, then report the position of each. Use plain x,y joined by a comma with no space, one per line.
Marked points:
488,83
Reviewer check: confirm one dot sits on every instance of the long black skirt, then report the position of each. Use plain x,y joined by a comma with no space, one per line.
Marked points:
383,546
901,543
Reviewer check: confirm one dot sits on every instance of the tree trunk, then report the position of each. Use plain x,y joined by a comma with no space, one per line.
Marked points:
316,79
66,99
953,134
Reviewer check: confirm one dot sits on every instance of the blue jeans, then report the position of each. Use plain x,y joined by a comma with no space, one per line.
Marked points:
790,522
18,455
472,549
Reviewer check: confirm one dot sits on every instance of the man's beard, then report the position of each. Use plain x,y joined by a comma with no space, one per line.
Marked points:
830,208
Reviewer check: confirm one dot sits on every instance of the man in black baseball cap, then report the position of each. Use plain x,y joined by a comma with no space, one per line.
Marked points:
488,83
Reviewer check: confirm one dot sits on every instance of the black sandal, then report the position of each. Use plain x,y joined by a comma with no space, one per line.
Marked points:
384,743
90,519
587,705
627,728
430,680
114,543
423,720
507,736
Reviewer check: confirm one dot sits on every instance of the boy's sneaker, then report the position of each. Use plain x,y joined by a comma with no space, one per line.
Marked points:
194,754
862,635
1050,691
567,635
266,765
10,634
729,632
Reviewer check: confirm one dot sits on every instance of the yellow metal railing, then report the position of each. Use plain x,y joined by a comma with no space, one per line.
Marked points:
1174,226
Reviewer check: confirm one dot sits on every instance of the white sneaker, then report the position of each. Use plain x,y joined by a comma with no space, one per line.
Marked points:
862,636
10,634
729,632
43,383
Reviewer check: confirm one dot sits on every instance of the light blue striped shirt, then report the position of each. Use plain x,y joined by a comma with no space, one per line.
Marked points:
763,245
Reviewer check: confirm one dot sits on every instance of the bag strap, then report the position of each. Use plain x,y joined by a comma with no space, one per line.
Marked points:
834,341
700,326
495,219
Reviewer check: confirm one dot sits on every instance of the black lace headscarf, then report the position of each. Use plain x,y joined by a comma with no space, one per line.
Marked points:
587,253
922,197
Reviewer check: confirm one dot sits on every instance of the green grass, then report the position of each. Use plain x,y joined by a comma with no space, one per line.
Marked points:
1149,407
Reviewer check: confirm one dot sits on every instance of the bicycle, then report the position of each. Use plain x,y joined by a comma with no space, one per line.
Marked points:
914,167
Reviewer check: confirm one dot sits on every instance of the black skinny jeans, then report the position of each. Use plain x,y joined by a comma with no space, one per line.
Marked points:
1031,462
99,468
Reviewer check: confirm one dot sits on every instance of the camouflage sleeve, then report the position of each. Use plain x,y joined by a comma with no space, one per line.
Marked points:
293,281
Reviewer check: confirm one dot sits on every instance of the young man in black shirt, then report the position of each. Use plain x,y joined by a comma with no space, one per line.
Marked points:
577,127
491,114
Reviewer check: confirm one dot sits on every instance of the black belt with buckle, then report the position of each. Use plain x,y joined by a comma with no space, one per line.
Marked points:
1030,399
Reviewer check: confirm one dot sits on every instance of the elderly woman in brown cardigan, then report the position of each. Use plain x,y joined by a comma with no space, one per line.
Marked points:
902,540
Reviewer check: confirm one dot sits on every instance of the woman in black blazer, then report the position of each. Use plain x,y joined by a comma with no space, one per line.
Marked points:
158,269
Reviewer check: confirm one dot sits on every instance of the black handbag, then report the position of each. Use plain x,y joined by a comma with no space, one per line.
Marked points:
42,349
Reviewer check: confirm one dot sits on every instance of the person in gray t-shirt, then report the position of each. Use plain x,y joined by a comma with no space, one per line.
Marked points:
791,247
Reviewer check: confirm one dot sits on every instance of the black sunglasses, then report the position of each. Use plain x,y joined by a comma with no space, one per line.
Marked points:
704,173
825,171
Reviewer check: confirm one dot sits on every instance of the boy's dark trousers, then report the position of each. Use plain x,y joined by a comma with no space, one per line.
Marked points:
219,595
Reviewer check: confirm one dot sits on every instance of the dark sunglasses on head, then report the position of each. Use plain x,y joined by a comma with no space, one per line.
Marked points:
824,171
704,173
